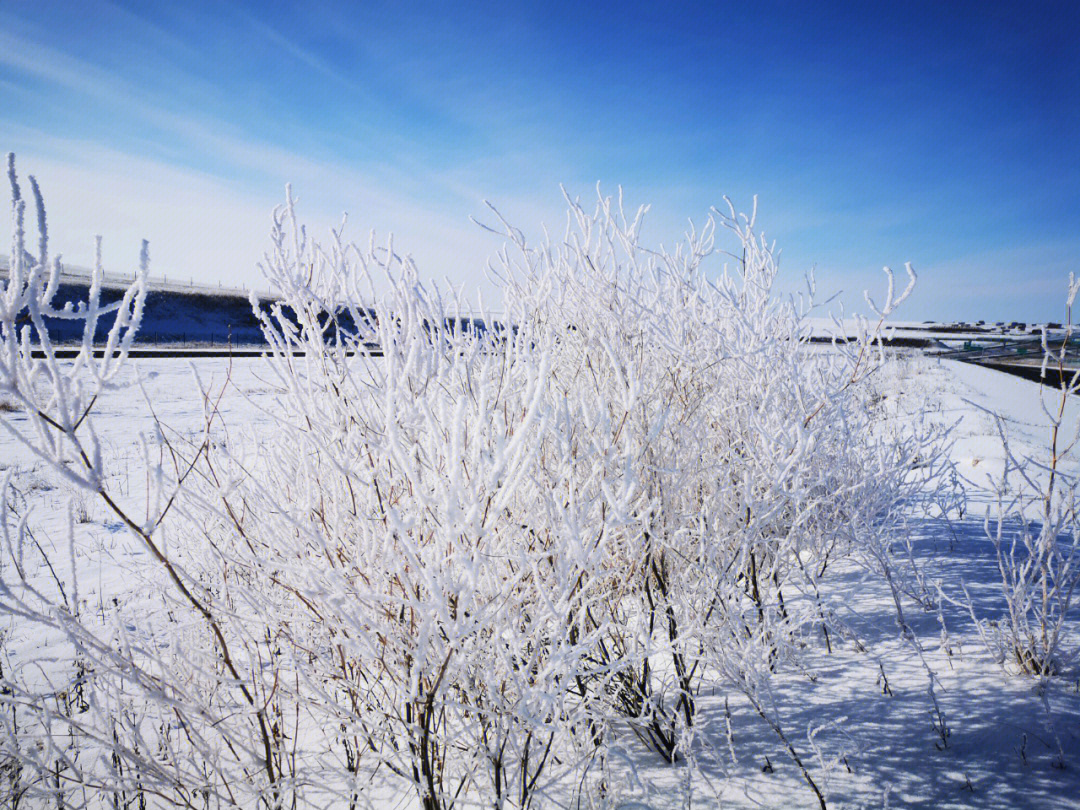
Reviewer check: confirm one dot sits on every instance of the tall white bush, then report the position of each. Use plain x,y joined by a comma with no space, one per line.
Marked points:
478,551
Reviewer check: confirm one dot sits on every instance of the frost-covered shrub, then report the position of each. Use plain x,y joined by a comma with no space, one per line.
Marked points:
1035,528
476,551
412,561
742,459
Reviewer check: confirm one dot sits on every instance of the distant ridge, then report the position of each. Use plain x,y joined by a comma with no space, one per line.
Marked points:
175,314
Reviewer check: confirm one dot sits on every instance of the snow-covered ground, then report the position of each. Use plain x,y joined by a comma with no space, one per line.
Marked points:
876,746
864,722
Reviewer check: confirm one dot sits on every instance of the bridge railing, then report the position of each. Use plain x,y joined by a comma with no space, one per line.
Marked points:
186,286
1027,349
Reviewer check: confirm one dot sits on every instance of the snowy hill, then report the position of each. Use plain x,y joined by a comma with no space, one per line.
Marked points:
172,317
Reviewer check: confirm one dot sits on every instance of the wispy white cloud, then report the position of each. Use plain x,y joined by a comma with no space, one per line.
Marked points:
39,60
203,192
207,229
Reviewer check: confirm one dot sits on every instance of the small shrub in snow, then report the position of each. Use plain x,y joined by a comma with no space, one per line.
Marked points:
1035,530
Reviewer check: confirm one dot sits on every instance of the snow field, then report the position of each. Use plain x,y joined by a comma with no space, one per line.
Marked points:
872,749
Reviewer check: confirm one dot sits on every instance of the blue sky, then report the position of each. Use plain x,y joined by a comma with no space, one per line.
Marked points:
945,134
